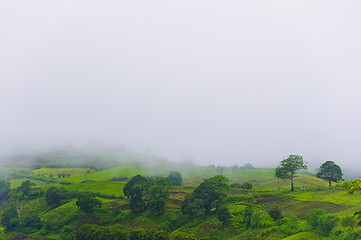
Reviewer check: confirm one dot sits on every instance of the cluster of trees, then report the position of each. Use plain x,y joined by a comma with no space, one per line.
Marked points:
54,197
117,232
12,218
208,198
289,167
151,193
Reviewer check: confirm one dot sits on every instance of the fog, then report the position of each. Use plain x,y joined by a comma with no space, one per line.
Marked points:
217,82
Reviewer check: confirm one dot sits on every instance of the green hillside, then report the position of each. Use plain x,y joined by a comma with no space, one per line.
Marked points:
64,220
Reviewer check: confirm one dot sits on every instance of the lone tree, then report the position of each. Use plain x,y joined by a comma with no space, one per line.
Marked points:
289,167
330,172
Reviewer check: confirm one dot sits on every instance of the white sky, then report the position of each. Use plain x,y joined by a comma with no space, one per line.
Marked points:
226,82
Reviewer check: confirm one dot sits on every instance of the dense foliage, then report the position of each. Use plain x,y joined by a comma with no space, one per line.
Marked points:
330,172
176,178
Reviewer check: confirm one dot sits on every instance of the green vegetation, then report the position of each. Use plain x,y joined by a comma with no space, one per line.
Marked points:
330,172
175,201
289,167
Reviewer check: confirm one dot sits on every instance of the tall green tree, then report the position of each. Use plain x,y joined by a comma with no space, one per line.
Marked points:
289,167
135,189
159,194
18,198
330,172
211,192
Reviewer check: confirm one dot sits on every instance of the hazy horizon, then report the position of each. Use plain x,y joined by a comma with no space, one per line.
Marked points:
217,82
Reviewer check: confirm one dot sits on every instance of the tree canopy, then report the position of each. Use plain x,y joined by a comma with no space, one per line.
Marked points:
289,167
86,203
176,178
152,193
135,189
54,196
330,172
210,192
4,189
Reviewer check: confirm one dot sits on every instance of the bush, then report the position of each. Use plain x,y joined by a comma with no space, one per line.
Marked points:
181,236
54,196
246,185
32,221
87,203
224,216
92,231
235,185
349,235
320,222
176,178
140,234
292,226
9,219
4,189
313,218
161,235
327,222
275,214
119,179
348,222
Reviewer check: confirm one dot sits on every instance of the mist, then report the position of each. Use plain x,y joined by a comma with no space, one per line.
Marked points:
213,82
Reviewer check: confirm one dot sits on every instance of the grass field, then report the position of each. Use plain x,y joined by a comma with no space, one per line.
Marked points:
102,187
55,171
107,174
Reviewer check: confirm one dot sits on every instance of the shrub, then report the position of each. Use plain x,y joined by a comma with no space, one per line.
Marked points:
161,235
224,216
350,235
176,178
235,185
119,179
320,222
4,189
138,234
9,219
327,222
348,221
292,226
92,231
87,203
275,214
54,196
246,185
181,236
313,218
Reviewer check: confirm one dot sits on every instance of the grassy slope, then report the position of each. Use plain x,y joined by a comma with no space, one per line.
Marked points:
310,193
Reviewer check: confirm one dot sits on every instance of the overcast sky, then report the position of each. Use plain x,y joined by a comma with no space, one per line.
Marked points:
223,82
